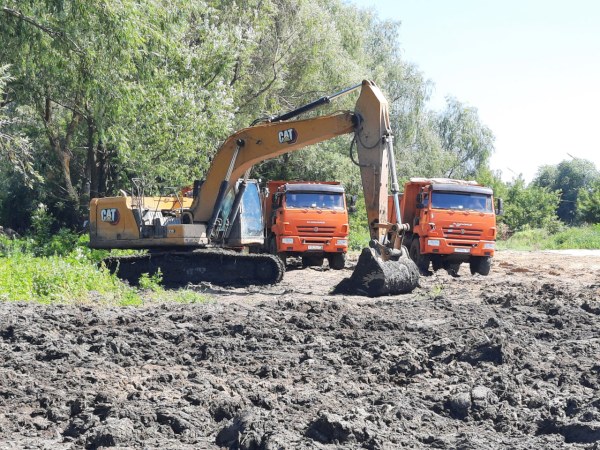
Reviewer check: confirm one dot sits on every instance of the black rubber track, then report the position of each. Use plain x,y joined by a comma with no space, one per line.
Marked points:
220,267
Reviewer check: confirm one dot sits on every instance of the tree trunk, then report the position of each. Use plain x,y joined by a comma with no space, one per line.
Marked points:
62,150
91,165
103,162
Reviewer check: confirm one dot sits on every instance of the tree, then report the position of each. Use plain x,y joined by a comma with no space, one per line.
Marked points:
467,142
15,148
568,177
588,203
119,90
108,91
529,206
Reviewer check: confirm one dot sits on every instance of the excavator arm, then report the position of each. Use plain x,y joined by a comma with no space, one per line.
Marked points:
370,122
258,143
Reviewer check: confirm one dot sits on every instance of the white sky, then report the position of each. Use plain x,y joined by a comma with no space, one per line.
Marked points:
530,67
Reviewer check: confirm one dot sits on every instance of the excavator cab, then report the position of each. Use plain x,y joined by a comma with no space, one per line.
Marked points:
247,228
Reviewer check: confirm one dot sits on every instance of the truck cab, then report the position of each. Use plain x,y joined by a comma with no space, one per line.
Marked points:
307,220
451,222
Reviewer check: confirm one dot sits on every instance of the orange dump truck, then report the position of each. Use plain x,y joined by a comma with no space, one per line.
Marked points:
451,222
307,219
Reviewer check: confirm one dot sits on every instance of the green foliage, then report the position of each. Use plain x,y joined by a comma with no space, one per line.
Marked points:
493,179
54,279
153,291
151,282
41,224
106,91
15,147
58,268
587,237
570,178
187,296
64,270
529,206
468,143
359,227
588,203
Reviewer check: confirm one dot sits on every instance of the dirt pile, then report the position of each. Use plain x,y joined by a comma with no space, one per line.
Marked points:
505,361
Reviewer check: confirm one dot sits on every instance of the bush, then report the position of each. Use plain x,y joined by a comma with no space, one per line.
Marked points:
588,203
153,291
529,207
61,268
359,235
53,279
587,237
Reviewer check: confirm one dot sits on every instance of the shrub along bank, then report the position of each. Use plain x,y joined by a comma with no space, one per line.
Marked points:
62,269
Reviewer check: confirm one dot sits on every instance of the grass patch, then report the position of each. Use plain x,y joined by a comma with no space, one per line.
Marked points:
55,279
586,237
64,270
153,291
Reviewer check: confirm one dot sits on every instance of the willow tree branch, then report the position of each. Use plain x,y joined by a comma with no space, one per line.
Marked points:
54,33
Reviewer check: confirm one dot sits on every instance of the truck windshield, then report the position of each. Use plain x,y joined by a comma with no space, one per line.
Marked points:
462,201
314,200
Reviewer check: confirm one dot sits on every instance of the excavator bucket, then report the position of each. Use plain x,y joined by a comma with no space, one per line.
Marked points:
375,275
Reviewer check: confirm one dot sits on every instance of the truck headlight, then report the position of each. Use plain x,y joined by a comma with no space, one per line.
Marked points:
433,242
342,242
287,240
489,245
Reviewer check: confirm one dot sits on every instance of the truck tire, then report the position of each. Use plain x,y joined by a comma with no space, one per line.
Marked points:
452,268
272,247
312,261
481,265
422,261
337,261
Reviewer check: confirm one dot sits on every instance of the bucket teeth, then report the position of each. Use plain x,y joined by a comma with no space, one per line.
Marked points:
220,267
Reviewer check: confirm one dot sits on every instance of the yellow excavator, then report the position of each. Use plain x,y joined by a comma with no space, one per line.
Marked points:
214,235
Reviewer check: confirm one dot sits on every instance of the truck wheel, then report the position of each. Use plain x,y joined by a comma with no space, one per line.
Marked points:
422,261
337,261
272,247
312,261
283,258
481,265
452,268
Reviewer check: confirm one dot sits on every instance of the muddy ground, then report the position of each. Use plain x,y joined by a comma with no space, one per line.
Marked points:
505,361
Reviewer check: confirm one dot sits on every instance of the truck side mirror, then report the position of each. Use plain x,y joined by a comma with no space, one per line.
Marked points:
499,207
196,188
351,201
419,204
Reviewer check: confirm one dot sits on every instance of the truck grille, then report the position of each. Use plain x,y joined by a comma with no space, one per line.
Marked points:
316,231
462,233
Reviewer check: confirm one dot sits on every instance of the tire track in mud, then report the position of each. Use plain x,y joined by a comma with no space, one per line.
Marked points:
505,361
